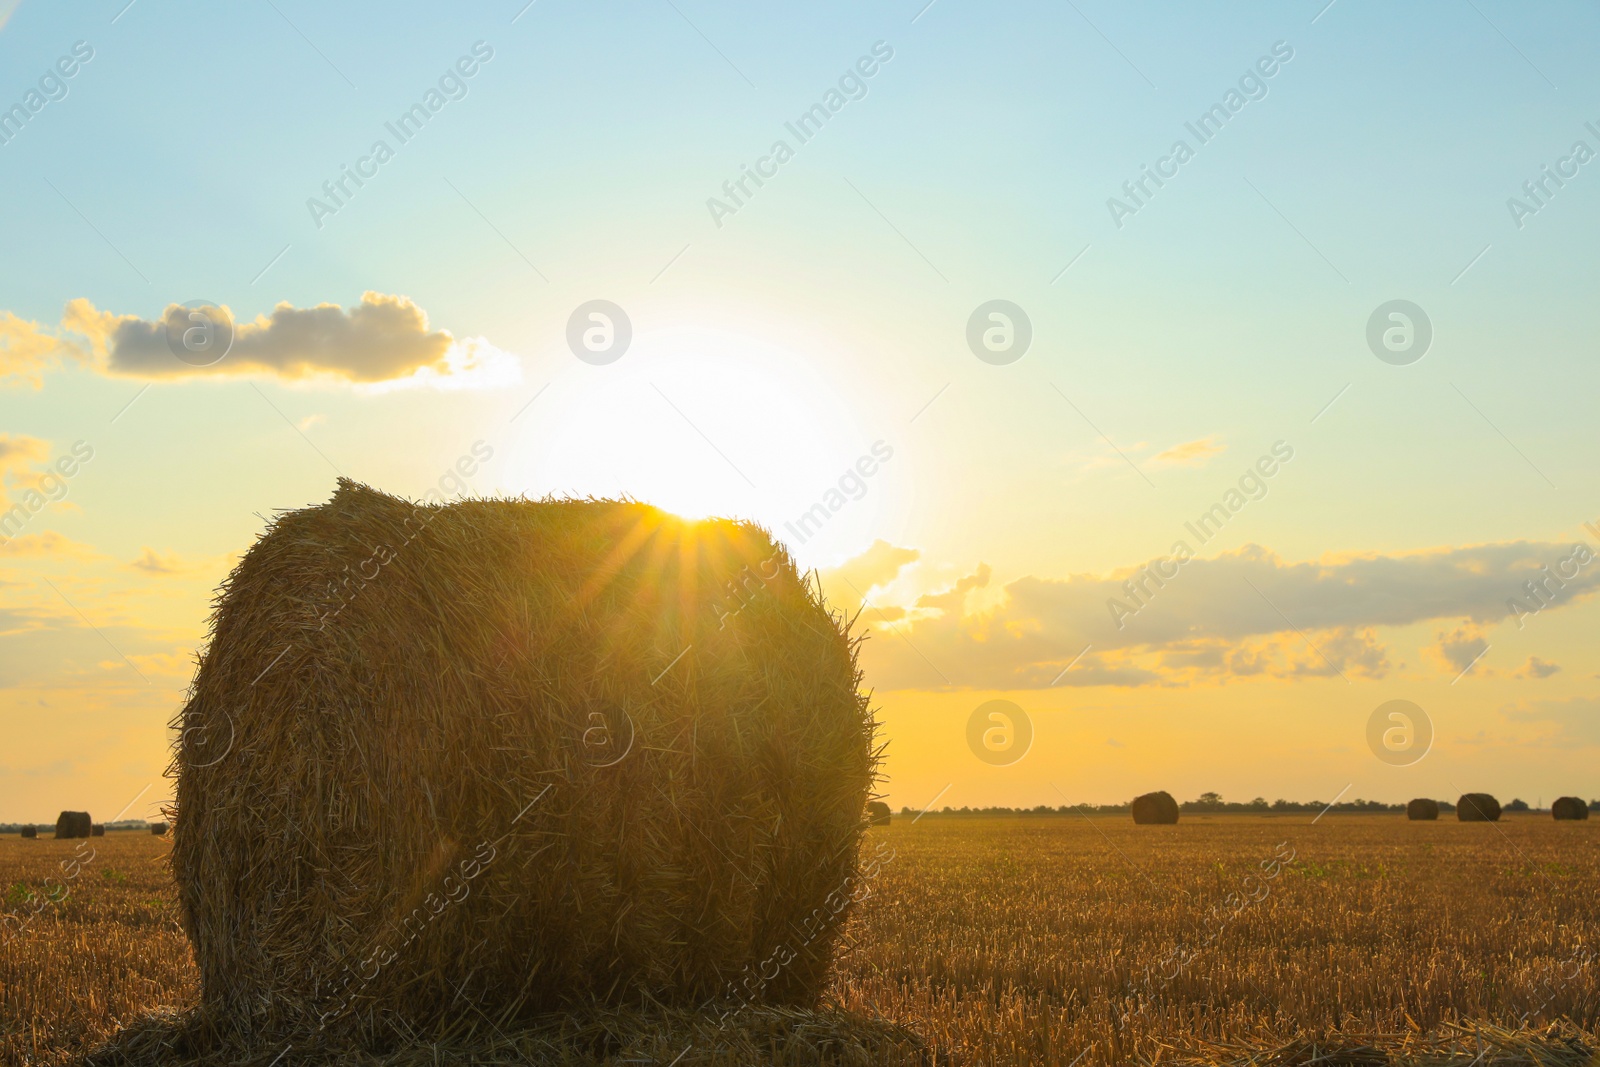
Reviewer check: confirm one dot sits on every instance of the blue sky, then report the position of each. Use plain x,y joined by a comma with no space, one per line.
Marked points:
829,312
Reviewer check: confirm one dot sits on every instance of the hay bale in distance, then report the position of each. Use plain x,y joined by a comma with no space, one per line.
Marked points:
533,751
158,828
1569,808
73,824
1155,809
1422,810
97,830
878,813
31,832
1477,807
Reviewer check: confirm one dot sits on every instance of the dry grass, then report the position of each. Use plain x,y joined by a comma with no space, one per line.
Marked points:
107,952
1031,941
1037,941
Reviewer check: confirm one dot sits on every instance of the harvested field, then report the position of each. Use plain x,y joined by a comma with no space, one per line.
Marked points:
74,968
1023,941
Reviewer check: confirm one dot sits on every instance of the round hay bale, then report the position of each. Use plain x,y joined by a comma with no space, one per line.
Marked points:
31,832
73,824
1155,809
158,828
523,753
596,1036
878,813
1477,807
1422,810
97,830
1569,808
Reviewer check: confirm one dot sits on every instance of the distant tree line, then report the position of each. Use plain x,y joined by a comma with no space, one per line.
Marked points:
121,824
1212,803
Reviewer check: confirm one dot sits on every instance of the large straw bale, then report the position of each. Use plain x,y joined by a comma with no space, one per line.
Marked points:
1422,809
1477,807
518,755
1569,808
650,1036
73,824
1155,809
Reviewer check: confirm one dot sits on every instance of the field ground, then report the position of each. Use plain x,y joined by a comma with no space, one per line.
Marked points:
1047,941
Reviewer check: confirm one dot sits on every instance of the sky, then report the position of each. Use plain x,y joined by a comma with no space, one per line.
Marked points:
1198,381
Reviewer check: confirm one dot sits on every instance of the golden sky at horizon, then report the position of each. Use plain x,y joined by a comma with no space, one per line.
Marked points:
1198,486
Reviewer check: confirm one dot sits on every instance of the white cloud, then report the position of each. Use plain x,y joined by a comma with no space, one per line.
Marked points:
28,350
152,562
48,544
1189,453
382,342
1538,668
1460,648
1240,614
1574,721
853,581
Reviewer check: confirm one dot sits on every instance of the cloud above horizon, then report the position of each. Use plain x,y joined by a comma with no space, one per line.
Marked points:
28,350
1189,453
382,341
876,567
1241,614
49,544
26,470
1538,668
1568,722
152,562
19,453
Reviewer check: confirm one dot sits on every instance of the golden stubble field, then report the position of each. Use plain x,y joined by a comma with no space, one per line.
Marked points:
1021,941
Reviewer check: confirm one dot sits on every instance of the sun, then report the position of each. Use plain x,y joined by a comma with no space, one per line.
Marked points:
698,422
